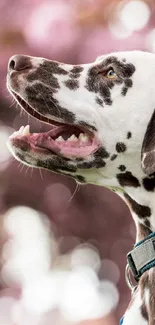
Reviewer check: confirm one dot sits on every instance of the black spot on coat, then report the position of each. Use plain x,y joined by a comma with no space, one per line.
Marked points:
41,98
129,135
147,223
120,147
99,101
97,163
53,67
144,311
80,178
113,157
127,179
127,85
122,168
46,73
76,69
149,183
148,161
124,91
74,75
96,81
142,211
57,163
71,84
86,125
101,153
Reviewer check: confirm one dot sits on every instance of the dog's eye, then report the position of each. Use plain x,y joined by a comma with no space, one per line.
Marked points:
110,74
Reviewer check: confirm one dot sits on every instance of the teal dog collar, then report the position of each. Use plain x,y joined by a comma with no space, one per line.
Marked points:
142,257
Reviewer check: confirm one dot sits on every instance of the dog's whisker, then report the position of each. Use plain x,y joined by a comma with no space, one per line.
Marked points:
9,96
32,171
19,164
55,105
21,112
22,168
41,174
14,103
28,167
77,188
28,119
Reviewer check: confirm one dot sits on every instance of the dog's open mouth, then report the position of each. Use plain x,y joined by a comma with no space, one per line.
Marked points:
63,139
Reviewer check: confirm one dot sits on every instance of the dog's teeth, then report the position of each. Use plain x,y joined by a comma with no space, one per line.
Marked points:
83,137
72,138
59,139
14,134
21,130
26,130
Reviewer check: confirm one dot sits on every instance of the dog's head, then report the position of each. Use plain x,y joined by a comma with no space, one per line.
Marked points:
101,115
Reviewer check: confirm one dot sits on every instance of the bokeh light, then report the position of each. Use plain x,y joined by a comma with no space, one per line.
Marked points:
68,282
134,14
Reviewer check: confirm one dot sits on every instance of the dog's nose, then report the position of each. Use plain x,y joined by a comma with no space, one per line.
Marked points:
19,63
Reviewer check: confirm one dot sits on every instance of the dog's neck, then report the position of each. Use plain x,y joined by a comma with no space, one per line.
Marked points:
136,189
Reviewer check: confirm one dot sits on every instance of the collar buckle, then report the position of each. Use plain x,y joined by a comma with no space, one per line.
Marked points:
132,267
129,283
140,259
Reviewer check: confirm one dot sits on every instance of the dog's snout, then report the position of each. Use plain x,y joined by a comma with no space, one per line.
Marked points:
19,63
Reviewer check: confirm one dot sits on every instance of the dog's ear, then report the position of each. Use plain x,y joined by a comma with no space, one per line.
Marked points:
148,148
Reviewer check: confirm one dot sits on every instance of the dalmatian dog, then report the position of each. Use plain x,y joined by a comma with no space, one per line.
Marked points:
102,118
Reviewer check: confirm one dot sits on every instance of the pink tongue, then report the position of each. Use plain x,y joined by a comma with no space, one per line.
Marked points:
75,144
67,148
71,148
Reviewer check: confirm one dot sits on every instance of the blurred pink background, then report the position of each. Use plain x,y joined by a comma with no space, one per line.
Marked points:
71,31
